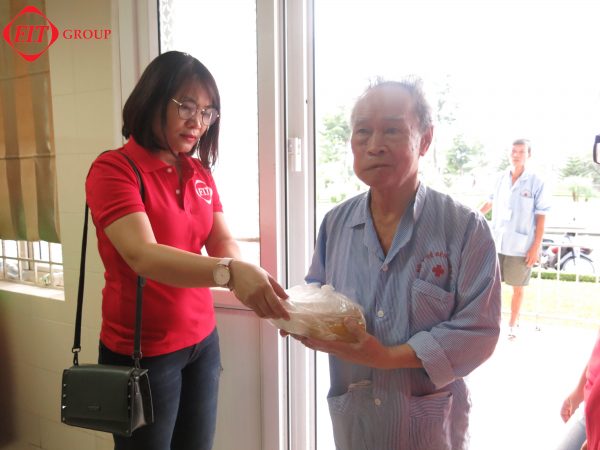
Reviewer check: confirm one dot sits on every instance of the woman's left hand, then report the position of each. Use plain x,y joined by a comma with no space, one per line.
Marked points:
258,290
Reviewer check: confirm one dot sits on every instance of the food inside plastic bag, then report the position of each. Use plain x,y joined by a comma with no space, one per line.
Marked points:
319,312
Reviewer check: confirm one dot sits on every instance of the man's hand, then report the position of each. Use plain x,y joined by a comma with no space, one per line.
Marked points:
366,351
532,255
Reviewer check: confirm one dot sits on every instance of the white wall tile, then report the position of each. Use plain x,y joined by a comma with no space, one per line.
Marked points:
71,172
62,75
105,443
71,229
90,76
52,344
55,310
15,329
57,436
48,399
65,111
95,118
26,389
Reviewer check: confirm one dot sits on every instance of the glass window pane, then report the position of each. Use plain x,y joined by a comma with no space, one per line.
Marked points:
56,253
57,276
10,249
12,269
222,35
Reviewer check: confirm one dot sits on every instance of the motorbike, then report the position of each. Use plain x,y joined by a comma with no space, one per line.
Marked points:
566,256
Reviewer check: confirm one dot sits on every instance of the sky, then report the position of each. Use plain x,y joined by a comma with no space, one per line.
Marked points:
522,68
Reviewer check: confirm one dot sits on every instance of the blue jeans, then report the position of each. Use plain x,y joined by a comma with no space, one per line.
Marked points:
575,437
185,387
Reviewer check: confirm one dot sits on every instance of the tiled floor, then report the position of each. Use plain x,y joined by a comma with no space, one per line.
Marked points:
518,392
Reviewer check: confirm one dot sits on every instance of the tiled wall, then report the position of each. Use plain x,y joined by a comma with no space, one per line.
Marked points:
36,333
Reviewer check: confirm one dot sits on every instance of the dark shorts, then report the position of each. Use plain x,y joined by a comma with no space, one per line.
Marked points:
514,270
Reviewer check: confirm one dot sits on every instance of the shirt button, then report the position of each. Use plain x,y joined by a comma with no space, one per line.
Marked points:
380,313
169,170
384,267
377,402
177,191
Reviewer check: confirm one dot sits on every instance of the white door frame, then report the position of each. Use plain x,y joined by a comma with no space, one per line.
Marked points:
300,209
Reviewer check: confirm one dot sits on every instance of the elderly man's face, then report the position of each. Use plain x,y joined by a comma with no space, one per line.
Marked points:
386,141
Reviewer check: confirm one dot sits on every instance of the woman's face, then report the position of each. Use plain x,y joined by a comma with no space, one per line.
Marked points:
180,135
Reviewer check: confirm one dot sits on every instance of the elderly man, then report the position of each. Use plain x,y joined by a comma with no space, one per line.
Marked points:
424,269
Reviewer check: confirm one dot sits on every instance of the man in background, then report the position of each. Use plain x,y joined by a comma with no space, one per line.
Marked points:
520,204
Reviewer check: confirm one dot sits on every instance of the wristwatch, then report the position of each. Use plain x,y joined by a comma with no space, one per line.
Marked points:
221,273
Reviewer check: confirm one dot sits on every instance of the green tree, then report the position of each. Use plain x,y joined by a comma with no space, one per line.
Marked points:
578,176
462,158
335,134
445,115
335,176
579,187
576,166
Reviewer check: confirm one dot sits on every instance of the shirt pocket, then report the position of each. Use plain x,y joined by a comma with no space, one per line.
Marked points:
430,425
515,242
355,421
430,305
525,213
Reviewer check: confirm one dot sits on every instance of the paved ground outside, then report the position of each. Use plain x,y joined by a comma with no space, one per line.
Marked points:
517,393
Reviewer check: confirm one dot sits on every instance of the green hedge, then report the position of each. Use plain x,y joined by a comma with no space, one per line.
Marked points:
564,276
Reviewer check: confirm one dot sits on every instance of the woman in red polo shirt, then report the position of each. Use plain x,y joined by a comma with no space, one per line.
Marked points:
588,391
592,400
171,115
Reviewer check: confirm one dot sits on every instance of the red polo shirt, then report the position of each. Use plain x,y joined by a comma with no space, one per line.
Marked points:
592,398
173,318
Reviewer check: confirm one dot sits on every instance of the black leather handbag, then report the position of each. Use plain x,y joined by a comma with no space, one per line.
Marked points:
114,399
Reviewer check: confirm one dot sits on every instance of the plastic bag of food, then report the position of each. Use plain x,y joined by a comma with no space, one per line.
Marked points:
319,312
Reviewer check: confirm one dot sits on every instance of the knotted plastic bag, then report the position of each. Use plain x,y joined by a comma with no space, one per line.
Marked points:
318,312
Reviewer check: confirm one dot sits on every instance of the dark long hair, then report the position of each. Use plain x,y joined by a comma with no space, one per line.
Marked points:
161,80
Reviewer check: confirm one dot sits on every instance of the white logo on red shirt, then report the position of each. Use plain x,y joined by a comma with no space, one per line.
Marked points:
203,191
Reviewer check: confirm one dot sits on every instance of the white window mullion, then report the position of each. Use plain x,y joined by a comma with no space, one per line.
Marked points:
300,207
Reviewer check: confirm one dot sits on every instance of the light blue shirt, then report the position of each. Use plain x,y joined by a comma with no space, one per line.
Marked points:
437,289
514,207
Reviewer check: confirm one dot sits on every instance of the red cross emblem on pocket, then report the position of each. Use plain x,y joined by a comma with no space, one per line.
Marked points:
438,271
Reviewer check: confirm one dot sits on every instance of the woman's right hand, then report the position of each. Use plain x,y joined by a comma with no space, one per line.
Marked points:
570,404
256,289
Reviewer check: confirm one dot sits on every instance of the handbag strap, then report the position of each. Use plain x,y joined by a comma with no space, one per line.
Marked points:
141,281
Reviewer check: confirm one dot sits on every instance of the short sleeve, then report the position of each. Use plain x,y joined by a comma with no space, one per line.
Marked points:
112,189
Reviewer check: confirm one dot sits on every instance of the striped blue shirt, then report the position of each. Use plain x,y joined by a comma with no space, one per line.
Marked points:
437,289
514,207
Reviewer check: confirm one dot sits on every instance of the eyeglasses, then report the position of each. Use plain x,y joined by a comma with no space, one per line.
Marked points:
189,109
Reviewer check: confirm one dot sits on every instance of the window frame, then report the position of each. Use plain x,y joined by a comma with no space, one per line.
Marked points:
30,266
